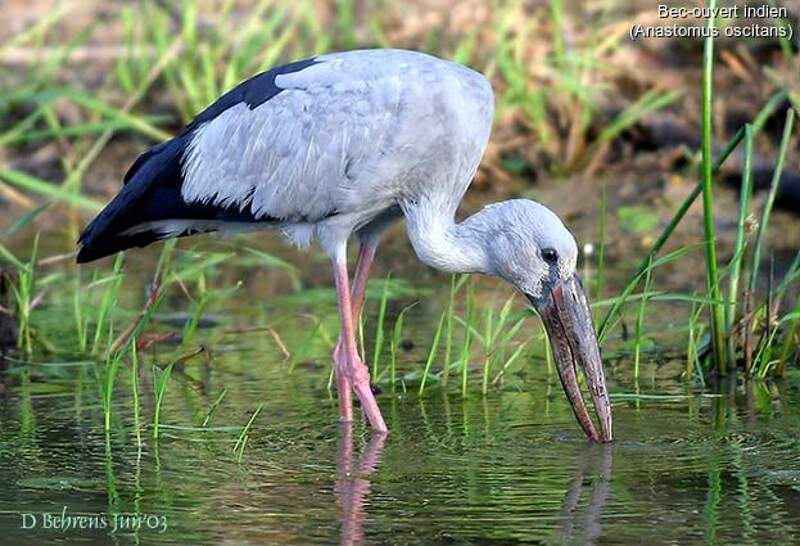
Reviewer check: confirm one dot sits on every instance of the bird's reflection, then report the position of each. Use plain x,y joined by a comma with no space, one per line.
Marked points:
583,526
352,482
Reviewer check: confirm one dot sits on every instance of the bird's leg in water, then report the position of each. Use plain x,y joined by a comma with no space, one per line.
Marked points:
366,254
349,364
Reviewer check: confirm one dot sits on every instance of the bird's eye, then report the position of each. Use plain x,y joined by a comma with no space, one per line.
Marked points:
550,255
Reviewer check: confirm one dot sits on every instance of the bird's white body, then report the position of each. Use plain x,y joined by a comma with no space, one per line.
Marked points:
348,139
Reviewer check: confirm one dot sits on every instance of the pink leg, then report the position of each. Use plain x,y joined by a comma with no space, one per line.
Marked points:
356,372
366,254
344,389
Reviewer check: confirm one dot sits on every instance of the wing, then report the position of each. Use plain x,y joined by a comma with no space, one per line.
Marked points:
300,156
220,168
296,144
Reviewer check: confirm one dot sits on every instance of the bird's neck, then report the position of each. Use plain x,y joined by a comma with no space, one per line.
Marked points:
443,244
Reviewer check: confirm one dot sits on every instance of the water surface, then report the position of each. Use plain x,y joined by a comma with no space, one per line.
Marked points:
508,468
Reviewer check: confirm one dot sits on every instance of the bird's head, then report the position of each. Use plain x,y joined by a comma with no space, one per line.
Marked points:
529,246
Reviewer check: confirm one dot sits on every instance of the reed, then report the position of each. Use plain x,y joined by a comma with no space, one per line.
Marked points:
160,381
763,225
637,346
464,357
712,275
455,283
380,326
737,260
394,346
103,317
432,353
244,436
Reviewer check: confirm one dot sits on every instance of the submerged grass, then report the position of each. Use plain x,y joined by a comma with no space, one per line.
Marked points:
637,346
244,436
24,296
394,347
432,354
160,382
380,325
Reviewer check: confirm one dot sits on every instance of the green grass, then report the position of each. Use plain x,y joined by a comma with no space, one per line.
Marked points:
135,370
432,353
244,436
466,347
102,321
737,260
107,380
380,325
763,225
637,346
712,276
394,346
160,383
455,284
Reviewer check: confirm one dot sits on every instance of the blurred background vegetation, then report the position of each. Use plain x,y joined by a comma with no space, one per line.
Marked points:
86,85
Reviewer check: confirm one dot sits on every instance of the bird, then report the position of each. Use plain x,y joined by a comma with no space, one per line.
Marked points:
337,148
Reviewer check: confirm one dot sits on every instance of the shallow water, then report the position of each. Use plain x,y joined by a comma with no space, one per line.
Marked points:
718,465
511,467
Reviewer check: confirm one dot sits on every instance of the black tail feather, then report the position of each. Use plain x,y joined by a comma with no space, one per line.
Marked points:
155,175
152,193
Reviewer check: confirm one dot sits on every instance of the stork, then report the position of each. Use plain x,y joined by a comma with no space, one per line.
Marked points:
341,146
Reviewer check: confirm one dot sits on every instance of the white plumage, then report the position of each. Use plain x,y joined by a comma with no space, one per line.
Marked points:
354,134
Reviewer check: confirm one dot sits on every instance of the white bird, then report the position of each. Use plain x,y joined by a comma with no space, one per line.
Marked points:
344,145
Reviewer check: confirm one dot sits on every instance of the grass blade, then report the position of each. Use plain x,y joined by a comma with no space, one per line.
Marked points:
765,215
741,236
712,275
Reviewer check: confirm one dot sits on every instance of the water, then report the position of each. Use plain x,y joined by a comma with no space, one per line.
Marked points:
508,468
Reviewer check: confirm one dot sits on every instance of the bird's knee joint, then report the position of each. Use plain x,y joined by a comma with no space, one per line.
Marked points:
359,373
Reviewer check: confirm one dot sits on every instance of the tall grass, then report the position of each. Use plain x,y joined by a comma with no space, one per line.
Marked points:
24,296
766,111
432,354
466,347
380,326
244,436
760,360
712,275
394,346
160,382
763,225
103,317
735,266
637,346
455,284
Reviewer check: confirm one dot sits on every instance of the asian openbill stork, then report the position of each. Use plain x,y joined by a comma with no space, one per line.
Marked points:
343,145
